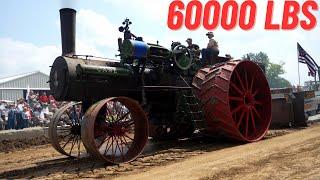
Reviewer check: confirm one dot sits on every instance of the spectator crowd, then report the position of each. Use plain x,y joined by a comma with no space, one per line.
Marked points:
35,110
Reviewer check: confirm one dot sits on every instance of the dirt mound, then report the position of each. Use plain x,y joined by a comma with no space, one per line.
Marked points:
13,145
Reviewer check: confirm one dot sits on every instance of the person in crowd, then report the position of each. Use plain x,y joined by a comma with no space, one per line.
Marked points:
2,121
25,120
44,98
19,119
20,105
12,117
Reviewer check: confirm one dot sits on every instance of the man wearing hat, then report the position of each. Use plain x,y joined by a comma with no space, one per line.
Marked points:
194,48
212,51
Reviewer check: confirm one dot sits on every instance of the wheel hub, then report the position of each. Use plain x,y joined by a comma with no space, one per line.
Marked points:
76,129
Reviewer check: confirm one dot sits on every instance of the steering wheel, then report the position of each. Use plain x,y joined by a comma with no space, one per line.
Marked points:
182,57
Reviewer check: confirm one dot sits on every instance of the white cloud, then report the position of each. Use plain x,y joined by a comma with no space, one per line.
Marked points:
18,57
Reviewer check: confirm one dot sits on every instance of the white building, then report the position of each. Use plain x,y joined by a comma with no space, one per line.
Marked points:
15,87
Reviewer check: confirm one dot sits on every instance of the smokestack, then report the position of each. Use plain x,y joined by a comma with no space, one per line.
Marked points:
68,31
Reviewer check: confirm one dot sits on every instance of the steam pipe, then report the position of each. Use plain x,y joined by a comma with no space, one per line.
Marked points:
68,31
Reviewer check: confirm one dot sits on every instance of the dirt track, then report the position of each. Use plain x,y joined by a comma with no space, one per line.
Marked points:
295,155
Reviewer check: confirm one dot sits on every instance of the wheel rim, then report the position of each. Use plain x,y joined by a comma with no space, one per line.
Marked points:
65,130
115,130
249,101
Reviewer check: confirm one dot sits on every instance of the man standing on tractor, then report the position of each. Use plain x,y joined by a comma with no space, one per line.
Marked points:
194,48
211,52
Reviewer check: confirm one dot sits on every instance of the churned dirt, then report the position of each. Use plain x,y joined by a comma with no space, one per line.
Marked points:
284,154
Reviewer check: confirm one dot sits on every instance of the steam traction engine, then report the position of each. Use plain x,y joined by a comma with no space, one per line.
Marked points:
151,92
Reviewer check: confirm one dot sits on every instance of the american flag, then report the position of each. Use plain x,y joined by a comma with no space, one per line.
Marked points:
304,57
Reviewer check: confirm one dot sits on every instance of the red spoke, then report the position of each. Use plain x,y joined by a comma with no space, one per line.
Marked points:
108,148
105,140
255,92
236,88
237,109
258,103
246,79
126,143
240,120
112,147
240,80
128,136
235,98
128,123
121,152
252,120
122,117
255,110
252,81
120,138
247,124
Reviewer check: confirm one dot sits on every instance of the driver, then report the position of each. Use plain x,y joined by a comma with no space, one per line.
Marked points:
212,50
194,48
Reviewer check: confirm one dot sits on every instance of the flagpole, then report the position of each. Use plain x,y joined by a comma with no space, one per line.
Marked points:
298,66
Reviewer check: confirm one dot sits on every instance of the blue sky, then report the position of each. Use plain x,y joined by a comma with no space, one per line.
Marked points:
30,33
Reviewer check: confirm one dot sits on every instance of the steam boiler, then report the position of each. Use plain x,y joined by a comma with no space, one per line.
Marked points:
151,92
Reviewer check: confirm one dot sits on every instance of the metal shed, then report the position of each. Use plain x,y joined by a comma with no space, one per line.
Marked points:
15,87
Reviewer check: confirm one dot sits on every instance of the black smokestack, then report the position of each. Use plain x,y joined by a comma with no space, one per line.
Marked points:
68,31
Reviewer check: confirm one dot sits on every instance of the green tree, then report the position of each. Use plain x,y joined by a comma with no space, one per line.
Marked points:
273,70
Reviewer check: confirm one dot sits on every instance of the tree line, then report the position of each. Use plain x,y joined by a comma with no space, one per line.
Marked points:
272,70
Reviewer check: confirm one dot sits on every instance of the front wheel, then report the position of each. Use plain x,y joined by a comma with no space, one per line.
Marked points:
115,130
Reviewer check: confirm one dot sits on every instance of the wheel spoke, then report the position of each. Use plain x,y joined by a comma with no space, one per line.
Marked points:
255,92
122,117
236,88
122,155
255,110
252,82
107,148
128,137
240,80
247,124
235,98
252,120
128,124
66,135
246,80
238,108
240,119
105,140
73,143
125,141
71,137
79,147
258,103
121,152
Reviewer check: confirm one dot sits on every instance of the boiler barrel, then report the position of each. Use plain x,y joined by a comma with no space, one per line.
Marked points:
73,79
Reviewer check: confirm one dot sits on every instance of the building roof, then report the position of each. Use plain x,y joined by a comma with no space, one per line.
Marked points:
11,78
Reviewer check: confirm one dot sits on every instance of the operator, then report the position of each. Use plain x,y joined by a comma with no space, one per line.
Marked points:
211,52
194,48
